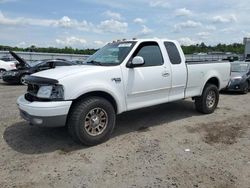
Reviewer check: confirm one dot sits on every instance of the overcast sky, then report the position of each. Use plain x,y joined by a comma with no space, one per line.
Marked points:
92,23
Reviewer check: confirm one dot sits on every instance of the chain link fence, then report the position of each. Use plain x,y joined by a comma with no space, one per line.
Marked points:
35,56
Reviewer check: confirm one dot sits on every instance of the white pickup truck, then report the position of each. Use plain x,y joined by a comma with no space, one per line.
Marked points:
121,76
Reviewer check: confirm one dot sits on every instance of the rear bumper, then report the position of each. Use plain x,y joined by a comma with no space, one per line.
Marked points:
45,114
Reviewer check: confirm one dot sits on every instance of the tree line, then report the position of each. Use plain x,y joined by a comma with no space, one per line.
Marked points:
65,50
237,48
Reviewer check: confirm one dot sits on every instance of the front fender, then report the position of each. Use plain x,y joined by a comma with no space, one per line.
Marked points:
112,91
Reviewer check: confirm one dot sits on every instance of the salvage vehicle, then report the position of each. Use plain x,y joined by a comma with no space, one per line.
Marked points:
23,68
240,77
6,66
121,76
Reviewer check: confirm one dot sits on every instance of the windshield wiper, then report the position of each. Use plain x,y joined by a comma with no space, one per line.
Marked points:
94,62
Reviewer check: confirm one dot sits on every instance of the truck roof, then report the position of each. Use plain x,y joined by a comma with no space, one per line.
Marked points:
148,39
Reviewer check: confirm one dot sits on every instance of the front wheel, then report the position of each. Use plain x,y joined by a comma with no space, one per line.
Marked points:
208,101
1,72
22,80
91,121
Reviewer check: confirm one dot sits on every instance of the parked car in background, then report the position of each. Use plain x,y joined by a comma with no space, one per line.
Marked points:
240,77
7,58
6,66
23,68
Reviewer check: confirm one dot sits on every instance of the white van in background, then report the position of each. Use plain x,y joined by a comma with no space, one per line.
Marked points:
6,66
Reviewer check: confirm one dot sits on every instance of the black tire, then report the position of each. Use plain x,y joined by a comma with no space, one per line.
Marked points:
1,72
245,88
203,103
77,121
21,79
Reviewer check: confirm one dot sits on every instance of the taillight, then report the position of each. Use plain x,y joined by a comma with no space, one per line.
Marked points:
13,65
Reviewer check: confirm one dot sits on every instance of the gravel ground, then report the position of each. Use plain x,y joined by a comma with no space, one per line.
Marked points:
170,145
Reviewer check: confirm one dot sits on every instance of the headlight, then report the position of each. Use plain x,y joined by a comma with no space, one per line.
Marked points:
51,92
44,92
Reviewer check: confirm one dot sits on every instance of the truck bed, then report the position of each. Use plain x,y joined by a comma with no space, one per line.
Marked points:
200,71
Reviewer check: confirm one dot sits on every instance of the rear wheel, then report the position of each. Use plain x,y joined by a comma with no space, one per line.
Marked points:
208,101
91,121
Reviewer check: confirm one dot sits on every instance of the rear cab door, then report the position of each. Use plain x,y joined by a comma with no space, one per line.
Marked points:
176,59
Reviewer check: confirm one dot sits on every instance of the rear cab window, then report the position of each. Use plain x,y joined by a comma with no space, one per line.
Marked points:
173,53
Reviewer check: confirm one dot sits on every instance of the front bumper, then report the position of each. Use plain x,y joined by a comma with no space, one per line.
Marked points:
10,78
45,114
235,87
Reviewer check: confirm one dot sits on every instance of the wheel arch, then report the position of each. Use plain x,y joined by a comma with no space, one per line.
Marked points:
101,94
213,80
23,74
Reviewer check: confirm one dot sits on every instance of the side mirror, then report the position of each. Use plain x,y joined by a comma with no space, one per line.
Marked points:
137,61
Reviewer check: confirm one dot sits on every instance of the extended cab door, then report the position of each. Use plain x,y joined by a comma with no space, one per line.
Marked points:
179,71
148,84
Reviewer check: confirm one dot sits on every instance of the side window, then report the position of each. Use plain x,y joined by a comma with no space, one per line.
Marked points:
173,53
60,63
43,64
151,53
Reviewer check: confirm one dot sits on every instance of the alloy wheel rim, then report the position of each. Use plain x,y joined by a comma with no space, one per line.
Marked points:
23,81
96,121
211,99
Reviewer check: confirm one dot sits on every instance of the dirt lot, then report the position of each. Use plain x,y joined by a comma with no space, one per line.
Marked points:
169,145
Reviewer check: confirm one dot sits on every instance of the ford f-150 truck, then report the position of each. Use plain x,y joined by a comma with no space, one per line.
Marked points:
121,76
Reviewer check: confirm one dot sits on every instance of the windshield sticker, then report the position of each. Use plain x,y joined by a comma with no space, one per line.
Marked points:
123,45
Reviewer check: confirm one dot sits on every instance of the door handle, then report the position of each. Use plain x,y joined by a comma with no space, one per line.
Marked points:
165,74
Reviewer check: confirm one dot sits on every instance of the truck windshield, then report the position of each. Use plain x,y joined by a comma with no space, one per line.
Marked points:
111,54
240,67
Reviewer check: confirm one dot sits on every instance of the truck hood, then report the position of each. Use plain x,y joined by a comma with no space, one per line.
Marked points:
61,72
